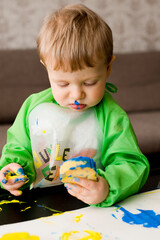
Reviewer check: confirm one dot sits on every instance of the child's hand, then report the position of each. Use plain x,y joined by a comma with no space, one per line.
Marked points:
89,191
12,178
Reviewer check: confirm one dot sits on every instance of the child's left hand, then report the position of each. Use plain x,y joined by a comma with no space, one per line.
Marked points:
88,191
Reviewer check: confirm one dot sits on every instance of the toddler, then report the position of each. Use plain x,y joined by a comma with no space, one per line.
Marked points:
77,116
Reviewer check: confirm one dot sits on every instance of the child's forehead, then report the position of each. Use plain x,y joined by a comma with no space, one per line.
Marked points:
67,66
83,74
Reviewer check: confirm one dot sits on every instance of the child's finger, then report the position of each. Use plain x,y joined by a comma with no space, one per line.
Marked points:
19,171
10,187
17,179
85,183
14,174
76,190
14,182
16,192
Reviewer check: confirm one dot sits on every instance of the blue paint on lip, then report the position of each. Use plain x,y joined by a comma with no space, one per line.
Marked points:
146,218
76,103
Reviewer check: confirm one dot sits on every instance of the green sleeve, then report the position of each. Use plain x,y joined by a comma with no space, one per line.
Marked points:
125,168
18,146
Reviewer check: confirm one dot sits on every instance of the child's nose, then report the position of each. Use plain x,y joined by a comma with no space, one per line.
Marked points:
77,93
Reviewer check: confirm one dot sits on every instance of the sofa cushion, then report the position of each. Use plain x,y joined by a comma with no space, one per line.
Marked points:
21,75
147,128
137,76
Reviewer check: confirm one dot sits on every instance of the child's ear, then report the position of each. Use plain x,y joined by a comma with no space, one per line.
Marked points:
110,66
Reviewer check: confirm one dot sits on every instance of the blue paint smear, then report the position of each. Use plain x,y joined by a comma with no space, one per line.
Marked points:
146,218
76,103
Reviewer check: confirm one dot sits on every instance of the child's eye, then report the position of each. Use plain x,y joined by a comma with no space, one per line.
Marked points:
62,84
90,83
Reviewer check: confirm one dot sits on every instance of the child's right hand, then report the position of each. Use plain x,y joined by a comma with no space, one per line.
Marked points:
12,178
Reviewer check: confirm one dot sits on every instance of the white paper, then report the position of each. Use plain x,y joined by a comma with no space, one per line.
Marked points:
107,221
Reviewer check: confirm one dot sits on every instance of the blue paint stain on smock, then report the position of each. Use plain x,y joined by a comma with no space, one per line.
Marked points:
146,218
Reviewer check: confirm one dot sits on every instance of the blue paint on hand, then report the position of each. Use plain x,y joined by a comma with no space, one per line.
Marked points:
146,218
4,181
76,179
67,187
19,172
23,179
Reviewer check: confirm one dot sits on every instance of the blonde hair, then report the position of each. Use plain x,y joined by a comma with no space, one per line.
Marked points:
74,37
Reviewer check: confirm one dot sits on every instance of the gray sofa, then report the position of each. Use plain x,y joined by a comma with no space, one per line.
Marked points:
136,75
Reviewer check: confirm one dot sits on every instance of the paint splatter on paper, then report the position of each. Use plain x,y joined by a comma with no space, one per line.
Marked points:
78,218
86,235
145,218
19,236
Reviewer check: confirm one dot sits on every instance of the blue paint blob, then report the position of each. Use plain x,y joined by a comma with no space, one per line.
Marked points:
4,181
75,179
76,103
146,218
19,172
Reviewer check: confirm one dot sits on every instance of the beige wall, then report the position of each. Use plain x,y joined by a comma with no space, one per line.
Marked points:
135,23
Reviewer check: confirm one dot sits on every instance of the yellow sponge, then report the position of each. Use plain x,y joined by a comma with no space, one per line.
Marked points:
82,167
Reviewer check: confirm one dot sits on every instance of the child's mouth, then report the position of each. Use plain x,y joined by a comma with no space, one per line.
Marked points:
77,107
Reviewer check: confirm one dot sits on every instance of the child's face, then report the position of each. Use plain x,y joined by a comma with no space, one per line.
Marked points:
85,86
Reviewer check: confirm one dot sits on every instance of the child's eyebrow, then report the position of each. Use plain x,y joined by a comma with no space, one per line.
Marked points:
83,80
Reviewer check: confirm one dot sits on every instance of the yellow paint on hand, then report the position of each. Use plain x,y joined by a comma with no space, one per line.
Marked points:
78,218
20,192
91,235
19,236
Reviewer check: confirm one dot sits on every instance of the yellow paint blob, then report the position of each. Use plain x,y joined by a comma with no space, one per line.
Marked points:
57,214
91,235
19,236
10,201
78,218
151,192
22,210
44,131
68,235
